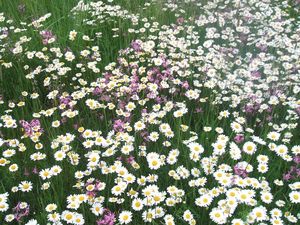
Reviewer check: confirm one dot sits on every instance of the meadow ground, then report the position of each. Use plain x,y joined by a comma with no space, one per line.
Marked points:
149,112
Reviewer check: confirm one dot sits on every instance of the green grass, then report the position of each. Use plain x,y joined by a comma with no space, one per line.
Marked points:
13,82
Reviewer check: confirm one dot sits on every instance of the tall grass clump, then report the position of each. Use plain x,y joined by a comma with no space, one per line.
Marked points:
149,112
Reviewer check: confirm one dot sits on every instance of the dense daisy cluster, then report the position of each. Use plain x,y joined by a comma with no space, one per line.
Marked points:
195,122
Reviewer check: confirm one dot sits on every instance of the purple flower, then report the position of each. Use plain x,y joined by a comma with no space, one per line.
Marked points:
298,172
31,127
199,110
287,177
122,104
5,32
239,138
118,125
180,20
119,158
65,100
256,74
46,36
252,107
108,218
130,159
249,109
294,171
296,159
144,111
145,135
269,109
158,100
151,95
35,170
97,91
91,194
20,212
269,118
240,172
98,186
64,119
185,85
263,47
136,46
105,98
